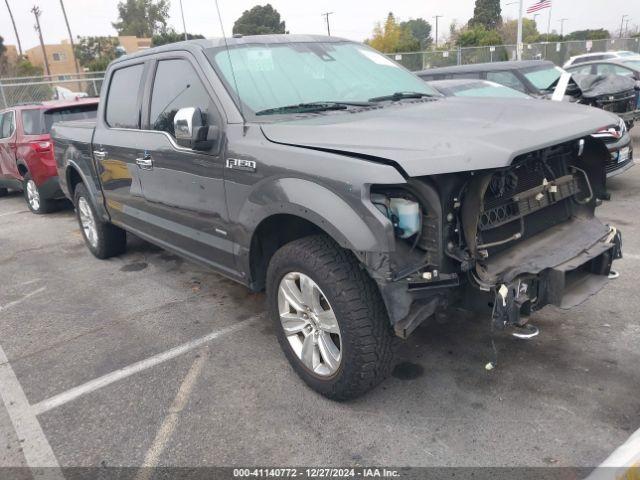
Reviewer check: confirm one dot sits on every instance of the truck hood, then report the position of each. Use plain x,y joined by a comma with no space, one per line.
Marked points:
444,135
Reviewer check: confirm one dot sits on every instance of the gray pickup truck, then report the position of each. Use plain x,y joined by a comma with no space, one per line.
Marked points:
361,199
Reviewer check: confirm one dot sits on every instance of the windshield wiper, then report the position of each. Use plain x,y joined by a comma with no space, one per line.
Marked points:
311,107
394,97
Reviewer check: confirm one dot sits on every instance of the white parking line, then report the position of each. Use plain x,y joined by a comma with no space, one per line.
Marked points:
171,420
35,447
95,384
22,299
6,214
624,462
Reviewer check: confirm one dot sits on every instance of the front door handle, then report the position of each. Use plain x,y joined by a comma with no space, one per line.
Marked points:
145,163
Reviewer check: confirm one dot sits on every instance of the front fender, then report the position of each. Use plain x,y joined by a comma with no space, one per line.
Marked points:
350,221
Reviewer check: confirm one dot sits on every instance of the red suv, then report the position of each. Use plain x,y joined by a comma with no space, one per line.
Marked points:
26,151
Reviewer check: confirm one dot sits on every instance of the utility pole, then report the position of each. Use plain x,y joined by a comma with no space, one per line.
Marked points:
562,20
519,40
14,27
326,17
437,17
36,13
622,23
626,28
73,47
184,25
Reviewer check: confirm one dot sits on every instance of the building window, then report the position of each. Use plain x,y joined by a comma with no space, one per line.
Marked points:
59,57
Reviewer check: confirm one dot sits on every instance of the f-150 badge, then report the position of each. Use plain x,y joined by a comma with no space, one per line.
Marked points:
240,164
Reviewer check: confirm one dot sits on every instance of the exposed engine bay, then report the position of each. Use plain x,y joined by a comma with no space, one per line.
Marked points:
503,241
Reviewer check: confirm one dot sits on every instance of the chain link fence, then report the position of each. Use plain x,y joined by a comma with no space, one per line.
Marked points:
22,90
557,52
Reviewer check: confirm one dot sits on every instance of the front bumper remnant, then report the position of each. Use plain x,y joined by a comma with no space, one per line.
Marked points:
566,285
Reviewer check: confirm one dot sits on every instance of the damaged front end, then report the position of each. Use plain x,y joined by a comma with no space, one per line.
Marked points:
502,241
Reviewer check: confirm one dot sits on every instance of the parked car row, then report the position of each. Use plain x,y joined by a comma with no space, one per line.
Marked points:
26,151
363,200
617,138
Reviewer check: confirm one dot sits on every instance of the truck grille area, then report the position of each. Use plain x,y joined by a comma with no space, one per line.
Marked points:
531,196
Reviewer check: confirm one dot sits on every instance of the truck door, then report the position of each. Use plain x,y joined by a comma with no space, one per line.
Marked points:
116,144
8,167
183,187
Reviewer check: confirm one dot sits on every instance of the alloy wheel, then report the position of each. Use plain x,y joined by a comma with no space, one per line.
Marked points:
33,196
310,324
87,222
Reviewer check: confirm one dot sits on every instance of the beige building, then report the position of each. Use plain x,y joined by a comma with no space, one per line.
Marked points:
60,55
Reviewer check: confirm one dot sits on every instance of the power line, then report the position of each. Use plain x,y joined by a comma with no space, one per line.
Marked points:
326,18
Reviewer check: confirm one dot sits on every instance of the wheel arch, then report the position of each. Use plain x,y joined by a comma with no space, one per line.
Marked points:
292,208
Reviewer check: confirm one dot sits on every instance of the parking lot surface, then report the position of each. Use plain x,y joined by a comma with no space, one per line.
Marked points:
148,359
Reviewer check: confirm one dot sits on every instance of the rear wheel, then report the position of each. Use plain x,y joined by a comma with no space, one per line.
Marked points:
103,239
329,318
3,192
35,201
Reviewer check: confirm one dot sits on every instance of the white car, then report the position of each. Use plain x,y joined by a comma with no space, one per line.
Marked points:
591,57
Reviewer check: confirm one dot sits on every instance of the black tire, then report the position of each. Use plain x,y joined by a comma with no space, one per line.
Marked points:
41,205
367,338
110,240
3,192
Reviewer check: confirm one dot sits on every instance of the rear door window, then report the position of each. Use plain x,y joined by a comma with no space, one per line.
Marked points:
123,107
33,122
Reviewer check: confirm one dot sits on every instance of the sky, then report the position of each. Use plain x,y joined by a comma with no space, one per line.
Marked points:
353,19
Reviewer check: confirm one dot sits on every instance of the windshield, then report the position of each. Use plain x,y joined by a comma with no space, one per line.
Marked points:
486,89
543,77
633,63
278,75
627,54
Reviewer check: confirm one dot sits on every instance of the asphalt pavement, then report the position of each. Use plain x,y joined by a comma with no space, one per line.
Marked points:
149,359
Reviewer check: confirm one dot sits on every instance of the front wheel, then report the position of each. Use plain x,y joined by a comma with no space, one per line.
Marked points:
35,201
103,239
330,319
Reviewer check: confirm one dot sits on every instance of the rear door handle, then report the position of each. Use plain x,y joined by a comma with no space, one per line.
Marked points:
145,163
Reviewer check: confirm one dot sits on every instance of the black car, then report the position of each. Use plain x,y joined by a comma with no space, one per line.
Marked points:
540,78
617,138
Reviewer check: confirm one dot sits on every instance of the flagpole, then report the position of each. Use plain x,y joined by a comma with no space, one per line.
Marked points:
549,23
519,37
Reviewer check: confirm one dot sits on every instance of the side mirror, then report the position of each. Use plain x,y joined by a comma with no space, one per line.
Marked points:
191,130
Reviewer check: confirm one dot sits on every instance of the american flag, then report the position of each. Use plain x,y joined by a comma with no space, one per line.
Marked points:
539,6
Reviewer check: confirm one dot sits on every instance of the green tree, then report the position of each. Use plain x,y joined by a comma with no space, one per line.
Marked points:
599,34
393,37
95,53
24,68
260,20
420,29
509,31
142,18
487,14
478,37
3,59
171,36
